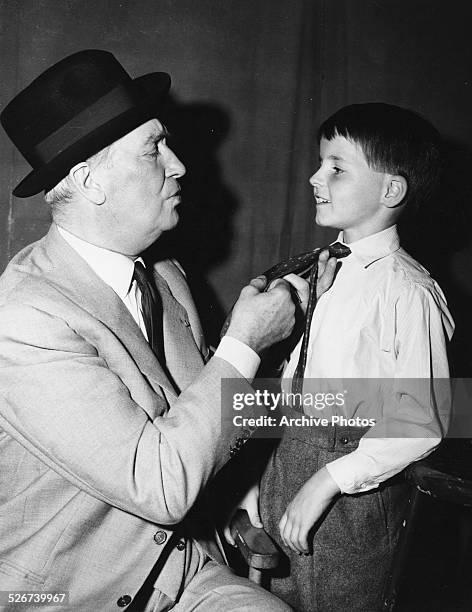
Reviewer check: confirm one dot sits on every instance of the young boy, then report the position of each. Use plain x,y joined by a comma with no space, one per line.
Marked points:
327,495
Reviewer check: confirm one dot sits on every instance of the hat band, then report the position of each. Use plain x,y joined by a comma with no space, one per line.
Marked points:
117,101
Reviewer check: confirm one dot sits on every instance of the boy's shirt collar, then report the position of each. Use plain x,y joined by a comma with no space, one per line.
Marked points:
374,247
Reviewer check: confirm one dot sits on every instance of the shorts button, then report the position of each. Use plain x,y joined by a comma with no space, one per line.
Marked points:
181,545
344,440
160,537
123,601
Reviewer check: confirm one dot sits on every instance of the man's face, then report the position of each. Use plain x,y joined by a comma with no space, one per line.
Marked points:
347,191
140,180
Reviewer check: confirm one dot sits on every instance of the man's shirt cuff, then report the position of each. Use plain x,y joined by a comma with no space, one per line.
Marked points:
239,355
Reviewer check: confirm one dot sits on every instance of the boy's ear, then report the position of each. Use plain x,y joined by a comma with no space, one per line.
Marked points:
394,191
81,175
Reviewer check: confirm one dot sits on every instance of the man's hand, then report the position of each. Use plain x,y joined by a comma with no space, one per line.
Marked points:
300,289
259,318
305,509
250,503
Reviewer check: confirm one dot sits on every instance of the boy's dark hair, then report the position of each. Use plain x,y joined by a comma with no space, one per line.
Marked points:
393,140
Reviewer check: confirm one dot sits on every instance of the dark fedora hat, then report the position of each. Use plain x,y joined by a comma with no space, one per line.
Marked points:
75,108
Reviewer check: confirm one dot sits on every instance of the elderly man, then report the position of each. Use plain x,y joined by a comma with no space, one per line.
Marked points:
112,417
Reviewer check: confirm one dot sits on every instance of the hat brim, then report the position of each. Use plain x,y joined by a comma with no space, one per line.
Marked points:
154,87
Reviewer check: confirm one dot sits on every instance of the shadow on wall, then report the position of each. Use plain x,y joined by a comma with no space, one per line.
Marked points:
440,237
204,237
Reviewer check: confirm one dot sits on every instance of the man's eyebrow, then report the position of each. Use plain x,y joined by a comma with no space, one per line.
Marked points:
156,137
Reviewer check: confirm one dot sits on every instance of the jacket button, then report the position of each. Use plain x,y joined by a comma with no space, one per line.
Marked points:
181,545
344,440
160,537
123,601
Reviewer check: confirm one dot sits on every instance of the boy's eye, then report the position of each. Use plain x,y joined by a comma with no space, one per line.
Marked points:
337,170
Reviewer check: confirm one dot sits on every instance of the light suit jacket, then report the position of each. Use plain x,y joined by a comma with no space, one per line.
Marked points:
101,455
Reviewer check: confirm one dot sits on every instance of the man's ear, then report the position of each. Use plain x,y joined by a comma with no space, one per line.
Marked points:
395,191
82,177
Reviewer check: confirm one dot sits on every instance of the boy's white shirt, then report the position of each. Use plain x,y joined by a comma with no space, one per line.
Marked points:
383,318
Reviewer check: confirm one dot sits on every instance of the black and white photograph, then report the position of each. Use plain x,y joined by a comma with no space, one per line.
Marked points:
235,305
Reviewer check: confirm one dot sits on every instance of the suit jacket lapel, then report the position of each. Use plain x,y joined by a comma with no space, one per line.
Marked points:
183,358
174,277
84,287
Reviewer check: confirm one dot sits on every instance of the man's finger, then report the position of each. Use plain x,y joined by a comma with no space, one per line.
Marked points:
278,282
259,283
254,517
229,538
301,287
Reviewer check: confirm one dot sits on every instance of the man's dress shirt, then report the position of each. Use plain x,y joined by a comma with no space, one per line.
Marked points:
383,318
116,270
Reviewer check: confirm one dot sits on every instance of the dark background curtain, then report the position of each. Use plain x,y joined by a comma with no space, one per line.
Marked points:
252,79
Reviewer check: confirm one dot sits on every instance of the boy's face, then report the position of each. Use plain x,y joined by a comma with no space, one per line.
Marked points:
348,192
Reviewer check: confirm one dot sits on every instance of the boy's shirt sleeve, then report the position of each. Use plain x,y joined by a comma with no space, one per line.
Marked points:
413,424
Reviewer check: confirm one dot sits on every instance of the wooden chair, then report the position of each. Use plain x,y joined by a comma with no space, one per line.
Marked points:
256,547
446,476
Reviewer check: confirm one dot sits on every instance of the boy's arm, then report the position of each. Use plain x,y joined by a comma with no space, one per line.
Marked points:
414,425
306,508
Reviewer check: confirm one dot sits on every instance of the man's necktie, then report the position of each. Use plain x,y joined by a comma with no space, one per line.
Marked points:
151,306
339,251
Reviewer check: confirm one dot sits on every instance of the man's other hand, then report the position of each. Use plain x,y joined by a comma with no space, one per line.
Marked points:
250,503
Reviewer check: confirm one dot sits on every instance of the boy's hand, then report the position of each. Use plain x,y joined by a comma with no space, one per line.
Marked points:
305,509
250,503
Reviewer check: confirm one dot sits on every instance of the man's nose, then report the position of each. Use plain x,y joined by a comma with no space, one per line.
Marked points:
174,167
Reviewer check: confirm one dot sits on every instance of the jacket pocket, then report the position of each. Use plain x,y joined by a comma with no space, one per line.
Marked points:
13,576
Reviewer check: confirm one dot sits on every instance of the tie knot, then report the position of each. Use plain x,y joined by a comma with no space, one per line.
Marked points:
339,250
140,274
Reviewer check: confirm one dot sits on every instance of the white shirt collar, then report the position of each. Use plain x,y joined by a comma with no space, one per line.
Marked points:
115,269
374,247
